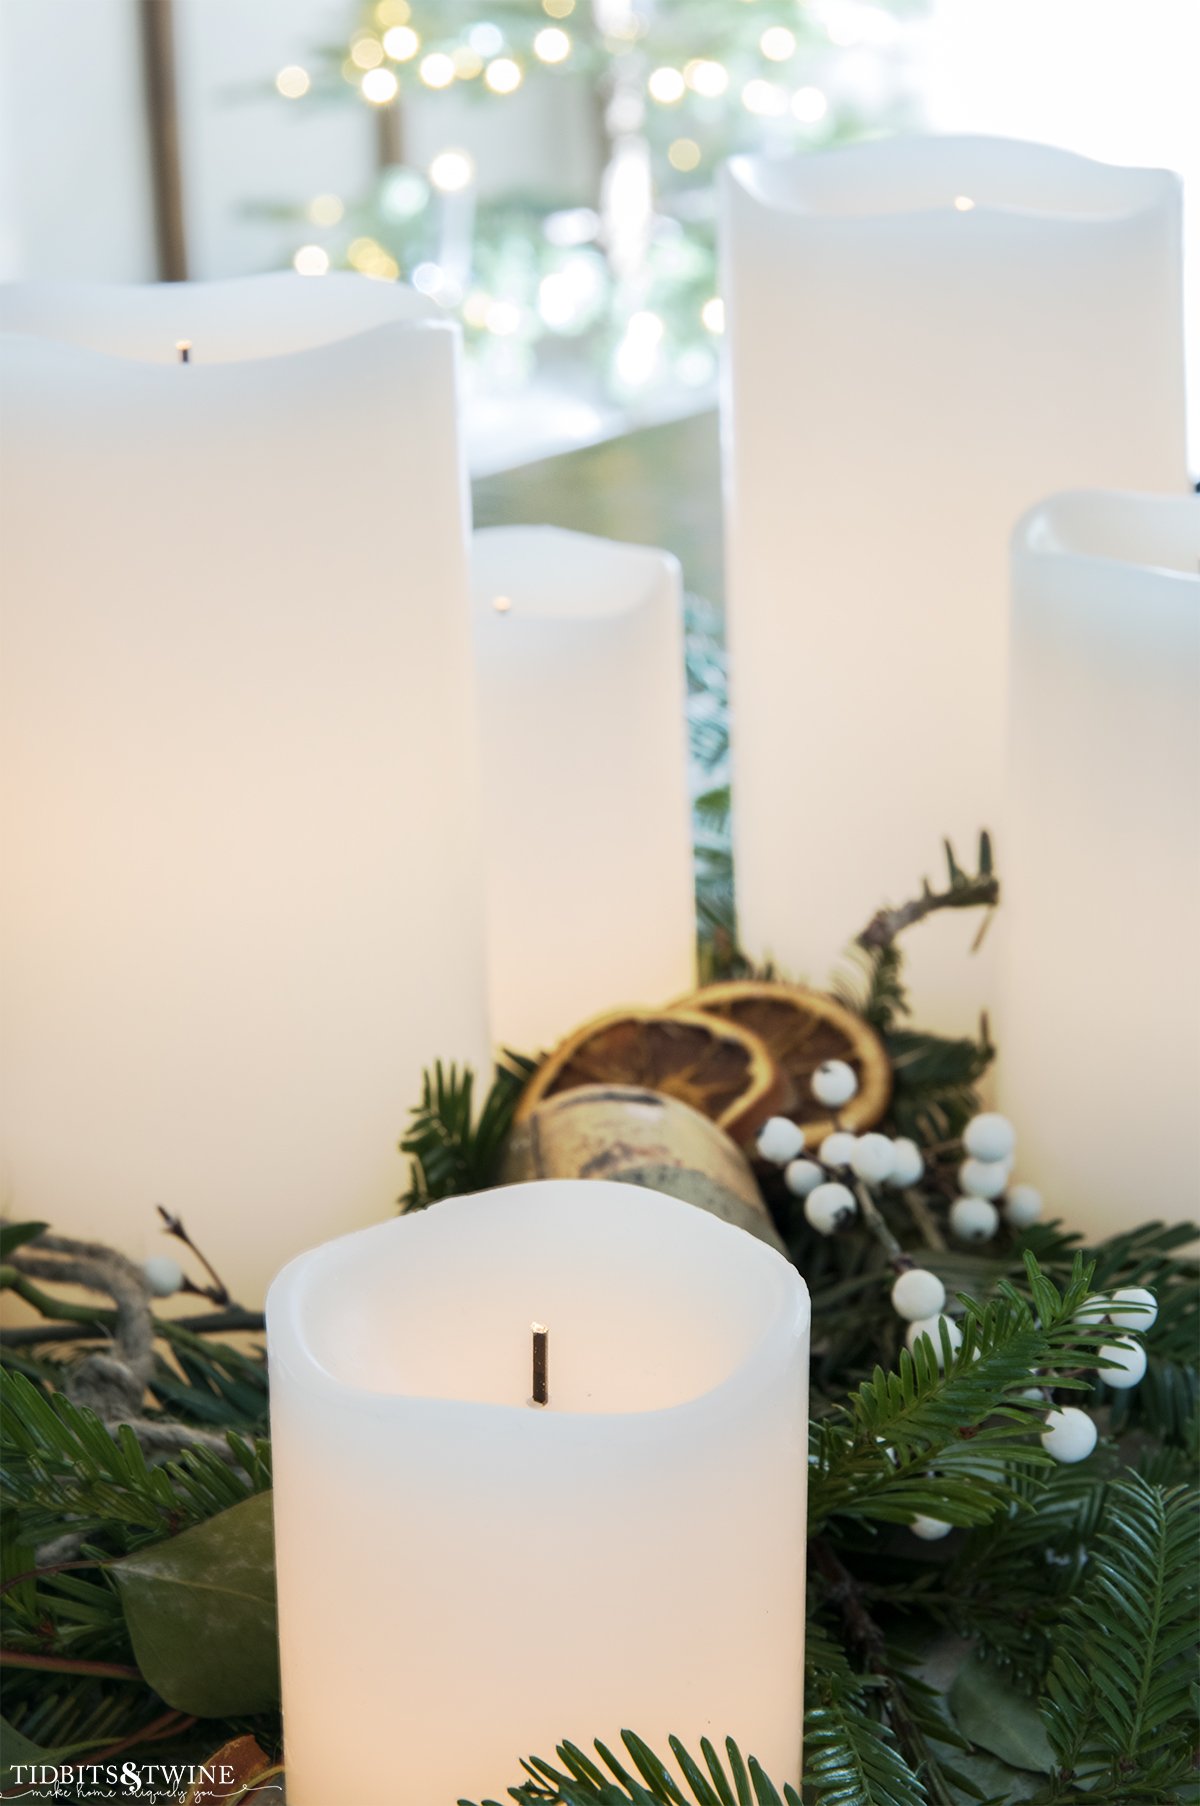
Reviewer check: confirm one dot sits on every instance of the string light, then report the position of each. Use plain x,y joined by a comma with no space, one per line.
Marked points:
379,86
403,193
765,99
637,354
666,86
467,62
437,69
809,105
706,77
325,209
401,43
366,52
683,154
552,45
393,12
558,9
486,38
712,315
963,202
503,76
293,82
451,171
777,43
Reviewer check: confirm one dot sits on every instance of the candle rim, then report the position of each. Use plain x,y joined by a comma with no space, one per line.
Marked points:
779,183
767,1355
1057,528
602,579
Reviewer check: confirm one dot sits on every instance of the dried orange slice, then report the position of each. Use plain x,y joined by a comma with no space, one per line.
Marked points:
717,1066
804,1028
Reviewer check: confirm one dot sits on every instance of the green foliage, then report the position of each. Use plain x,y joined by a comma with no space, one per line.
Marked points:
581,1782
452,1151
61,1471
1119,1690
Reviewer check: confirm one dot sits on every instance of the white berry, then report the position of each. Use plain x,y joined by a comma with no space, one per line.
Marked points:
1022,1206
983,1178
1094,1309
1130,1359
931,1327
802,1176
990,1137
873,1158
834,1084
930,1530
908,1163
830,1205
780,1140
918,1293
162,1275
974,1219
1142,1311
1069,1435
837,1149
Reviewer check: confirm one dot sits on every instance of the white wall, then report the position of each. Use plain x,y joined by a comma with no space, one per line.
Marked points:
75,195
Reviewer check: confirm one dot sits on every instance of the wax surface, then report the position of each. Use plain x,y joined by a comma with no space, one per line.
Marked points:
465,1578
1099,1017
579,650
241,899
924,336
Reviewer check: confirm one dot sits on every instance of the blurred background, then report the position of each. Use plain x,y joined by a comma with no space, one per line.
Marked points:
544,170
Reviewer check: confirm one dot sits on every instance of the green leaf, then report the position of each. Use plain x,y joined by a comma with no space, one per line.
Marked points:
201,1613
990,1711
15,1235
20,1752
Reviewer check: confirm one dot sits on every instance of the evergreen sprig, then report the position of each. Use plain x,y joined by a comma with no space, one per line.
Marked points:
737,1781
1120,1706
452,1150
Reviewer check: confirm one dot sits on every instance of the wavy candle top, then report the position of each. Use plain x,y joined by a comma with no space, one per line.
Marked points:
1152,535
222,322
956,178
655,1304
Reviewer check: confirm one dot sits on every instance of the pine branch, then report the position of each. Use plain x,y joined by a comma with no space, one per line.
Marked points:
451,1151
1119,1688
650,1782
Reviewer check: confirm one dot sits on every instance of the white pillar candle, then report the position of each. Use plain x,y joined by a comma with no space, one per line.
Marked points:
464,1578
1099,1025
241,905
579,647
925,335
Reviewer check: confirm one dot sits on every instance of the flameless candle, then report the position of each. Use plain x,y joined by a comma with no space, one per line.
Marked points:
241,904
579,648
465,1579
925,335
1099,1014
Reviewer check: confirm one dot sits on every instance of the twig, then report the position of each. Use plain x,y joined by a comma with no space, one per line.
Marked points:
886,924
81,1322
923,1217
218,1291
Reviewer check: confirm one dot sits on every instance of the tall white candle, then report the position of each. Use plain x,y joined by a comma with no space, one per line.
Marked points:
1100,1007
924,335
579,645
241,905
465,1579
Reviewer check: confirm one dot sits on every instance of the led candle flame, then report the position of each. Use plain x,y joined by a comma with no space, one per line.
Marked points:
184,348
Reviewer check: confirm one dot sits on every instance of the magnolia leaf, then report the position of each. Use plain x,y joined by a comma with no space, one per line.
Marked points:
200,1609
15,1235
988,1709
20,1753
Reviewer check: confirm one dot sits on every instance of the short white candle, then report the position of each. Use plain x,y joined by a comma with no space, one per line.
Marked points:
907,374
464,1578
579,647
1099,1018
241,905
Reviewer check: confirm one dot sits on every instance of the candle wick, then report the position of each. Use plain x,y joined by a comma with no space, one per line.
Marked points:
541,1364
184,348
